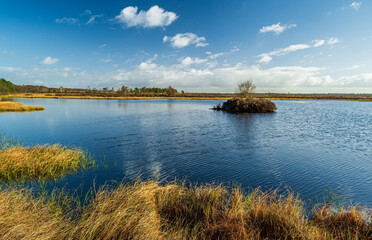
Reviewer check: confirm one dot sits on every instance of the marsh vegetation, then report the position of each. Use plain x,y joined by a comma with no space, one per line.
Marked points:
19,162
152,210
6,106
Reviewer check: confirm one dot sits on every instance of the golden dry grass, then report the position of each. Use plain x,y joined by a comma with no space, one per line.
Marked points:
25,217
150,210
40,162
6,106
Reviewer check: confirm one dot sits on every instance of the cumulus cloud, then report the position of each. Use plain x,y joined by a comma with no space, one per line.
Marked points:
67,20
201,78
182,40
148,65
277,28
49,61
224,79
356,5
187,61
154,17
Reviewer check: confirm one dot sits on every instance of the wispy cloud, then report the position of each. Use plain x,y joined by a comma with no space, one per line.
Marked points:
49,61
332,41
10,69
154,17
68,20
182,40
267,57
356,5
276,28
106,60
103,45
318,43
93,18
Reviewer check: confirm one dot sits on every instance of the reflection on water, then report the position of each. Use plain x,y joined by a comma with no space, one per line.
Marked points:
310,146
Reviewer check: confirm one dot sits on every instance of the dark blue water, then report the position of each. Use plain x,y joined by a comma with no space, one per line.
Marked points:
309,146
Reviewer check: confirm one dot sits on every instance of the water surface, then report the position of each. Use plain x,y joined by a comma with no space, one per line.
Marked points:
309,146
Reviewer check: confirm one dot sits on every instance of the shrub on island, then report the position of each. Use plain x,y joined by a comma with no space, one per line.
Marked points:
240,105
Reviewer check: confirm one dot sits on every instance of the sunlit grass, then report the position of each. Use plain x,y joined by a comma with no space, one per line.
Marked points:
6,106
40,162
151,210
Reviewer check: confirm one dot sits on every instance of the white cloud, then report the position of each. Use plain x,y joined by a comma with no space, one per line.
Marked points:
318,43
49,61
235,49
182,40
200,78
190,61
106,60
103,45
332,41
267,57
67,20
87,12
276,28
8,52
10,69
147,66
216,55
154,17
93,18
355,66
356,5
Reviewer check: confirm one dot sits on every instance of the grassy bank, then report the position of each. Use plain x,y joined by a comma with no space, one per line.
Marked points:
6,106
150,210
40,162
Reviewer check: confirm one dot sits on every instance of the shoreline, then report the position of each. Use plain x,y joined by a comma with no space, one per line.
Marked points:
266,96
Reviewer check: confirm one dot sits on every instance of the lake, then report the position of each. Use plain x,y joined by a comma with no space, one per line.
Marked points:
307,146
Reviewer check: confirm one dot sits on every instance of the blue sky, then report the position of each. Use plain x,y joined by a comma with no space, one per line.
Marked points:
200,46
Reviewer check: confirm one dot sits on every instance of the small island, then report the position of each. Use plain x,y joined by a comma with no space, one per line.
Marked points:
246,103
7,106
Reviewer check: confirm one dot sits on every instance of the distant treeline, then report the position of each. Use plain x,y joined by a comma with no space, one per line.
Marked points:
7,87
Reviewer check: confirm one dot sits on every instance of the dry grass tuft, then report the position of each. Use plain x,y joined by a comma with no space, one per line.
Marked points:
17,107
25,217
127,212
40,162
150,210
343,223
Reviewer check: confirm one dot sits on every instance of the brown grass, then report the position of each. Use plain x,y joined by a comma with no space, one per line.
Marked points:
6,106
40,162
25,217
150,210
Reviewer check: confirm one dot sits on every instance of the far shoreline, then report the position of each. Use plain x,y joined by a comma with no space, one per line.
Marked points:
295,97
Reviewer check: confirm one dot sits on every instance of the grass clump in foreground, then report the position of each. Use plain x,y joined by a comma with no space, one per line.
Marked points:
40,162
6,106
248,105
150,210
